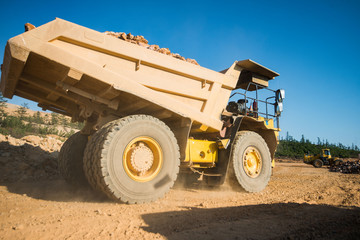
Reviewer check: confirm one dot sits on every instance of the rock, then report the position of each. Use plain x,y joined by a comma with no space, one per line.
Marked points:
11,140
34,140
111,34
29,26
122,36
130,36
141,41
154,47
193,61
176,55
3,138
164,51
18,227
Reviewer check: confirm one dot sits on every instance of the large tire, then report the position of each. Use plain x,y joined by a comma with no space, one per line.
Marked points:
250,162
318,163
133,160
70,160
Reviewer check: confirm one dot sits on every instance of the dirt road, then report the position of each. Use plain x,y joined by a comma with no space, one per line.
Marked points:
301,202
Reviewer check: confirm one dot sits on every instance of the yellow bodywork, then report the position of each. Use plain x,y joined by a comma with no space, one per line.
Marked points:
204,153
325,154
252,161
310,158
201,152
269,123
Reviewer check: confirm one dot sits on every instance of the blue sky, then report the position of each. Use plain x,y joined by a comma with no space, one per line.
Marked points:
314,45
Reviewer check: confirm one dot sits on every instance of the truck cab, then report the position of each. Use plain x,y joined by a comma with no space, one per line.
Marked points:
326,153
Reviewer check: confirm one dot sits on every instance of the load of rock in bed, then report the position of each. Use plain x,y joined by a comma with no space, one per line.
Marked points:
141,41
138,40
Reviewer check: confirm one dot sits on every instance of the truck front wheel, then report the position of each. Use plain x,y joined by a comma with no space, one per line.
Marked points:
250,161
134,159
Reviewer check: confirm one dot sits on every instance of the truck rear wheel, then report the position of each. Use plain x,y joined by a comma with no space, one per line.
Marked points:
318,163
134,159
250,161
70,160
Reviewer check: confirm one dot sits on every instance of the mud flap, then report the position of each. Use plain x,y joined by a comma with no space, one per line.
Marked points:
224,154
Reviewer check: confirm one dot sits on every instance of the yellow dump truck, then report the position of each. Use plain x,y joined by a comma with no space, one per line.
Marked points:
148,117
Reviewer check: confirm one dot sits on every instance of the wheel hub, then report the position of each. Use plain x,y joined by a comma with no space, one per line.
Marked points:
252,162
142,158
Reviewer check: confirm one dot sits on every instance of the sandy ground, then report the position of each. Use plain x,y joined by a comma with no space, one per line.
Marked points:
301,202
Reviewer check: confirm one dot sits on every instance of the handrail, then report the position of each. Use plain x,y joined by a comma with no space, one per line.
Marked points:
256,113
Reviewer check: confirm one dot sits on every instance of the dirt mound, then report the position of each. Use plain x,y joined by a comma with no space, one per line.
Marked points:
28,158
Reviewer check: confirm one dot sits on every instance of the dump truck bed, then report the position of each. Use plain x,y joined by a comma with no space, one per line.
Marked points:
62,65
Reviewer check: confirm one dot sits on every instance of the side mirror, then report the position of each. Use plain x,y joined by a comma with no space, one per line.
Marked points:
278,108
280,95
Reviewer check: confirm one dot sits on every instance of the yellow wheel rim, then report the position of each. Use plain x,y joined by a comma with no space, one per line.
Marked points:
252,162
143,159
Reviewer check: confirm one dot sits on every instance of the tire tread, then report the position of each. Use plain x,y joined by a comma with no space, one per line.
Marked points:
95,157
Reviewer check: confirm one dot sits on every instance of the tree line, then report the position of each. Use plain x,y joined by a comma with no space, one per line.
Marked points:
21,123
289,147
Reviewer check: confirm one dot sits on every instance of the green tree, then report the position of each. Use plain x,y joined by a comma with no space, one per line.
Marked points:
2,106
318,141
54,118
37,118
63,120
22,110
292,148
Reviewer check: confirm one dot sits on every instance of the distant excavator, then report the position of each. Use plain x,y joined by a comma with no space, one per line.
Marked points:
322,159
